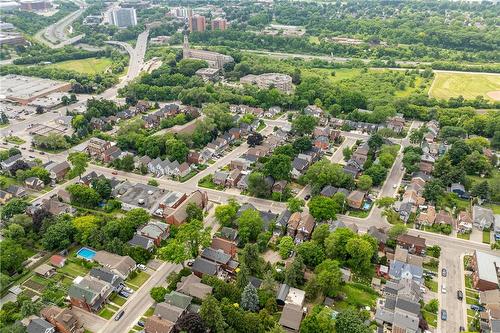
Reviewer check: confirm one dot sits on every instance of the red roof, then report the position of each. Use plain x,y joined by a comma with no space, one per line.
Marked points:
57,260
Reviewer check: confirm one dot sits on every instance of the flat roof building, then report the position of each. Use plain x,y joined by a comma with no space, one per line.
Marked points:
124,17
214,59
280,81
24,89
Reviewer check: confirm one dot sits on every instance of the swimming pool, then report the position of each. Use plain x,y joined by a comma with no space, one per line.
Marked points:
86,253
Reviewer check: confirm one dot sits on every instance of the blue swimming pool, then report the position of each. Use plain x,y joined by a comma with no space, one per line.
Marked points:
86,253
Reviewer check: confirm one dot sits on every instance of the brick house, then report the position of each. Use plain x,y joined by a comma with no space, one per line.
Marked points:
414,244
486,271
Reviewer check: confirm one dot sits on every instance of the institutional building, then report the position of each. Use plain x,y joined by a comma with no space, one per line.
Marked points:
124,17
214,59
280,81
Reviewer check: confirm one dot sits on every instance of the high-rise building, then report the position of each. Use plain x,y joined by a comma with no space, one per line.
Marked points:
124,17
219,24
197,23
181,12
35,5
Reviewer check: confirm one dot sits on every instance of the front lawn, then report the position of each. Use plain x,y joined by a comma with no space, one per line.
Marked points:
208,182
468,281
431,285
188,176
430,318
106,313
465,236
486,236
5,181
149,312
356,295
117,299
136,282
359,213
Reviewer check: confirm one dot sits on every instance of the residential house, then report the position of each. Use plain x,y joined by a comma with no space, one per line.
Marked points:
219,257
9,163
316,112
243,182
141,162
414,244
397,124
293,224
403,256
459,190
142,107
281,223
95,147
17,191
272,111
464,222
328,191
106,275
142,242
202,266
427,217
151,120
89,293
220,178
169,311
56,207
443,217
156,231
34,183
360,155
39,325
485,271
156,324
111,154
427,163
353,168
233,177
279,186
88,178
45,270
291,317
482,217
58,170
299,166
163,168
120,265
63,319
195,157
305,228
322,142
380,235
239,163
191,286
57,261
355,199
178,215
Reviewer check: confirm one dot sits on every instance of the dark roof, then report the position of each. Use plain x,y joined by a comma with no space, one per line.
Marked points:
409,239
140,241
299,164
39,325
408,305
229,233
282,292
105,274
283,218
216,256
328,191
256,282
204,266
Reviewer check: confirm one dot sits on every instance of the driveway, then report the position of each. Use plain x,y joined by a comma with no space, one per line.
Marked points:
90,321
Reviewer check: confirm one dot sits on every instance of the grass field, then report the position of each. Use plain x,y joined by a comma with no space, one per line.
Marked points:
340,73
448,85
138,281
87,66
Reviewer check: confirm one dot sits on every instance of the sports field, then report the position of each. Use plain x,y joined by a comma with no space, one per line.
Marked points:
468,85
86,66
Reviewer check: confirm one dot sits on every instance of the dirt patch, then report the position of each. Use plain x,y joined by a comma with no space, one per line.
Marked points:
495,95
34,285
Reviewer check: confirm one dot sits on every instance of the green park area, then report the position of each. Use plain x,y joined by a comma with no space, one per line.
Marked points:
86,66
447,85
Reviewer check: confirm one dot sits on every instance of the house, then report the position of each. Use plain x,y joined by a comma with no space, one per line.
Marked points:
272,111
45,270
464,222
4,197
39,325
299,166
89,293
243,182
380,235
34,183
459,190
17,191
57,261
313,110
142,242
482,217
322,142
291,317
121,265
414,244
279,186
8,163
170,110
397,124
305,228
443,217
184,169
202,266
233,177
141,162
289,295
155,324
240,164
64,320
156,231
328,191
55,207
151,120
169,312
227,246
178,215
88,178
163,168
219,257
111,154
353,168
355,199
220,178
108,276
95,147
58,170
191,285
403,256
485,270
360,155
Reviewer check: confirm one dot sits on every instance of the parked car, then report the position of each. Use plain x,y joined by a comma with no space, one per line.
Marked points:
42,153
31,150
124,294
307,197
140,323
443,289
478,308
444,272
114,172
128,290
142,267
460,295
444,315
119,315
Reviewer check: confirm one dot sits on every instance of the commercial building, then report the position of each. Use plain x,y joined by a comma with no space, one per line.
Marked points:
280,81
35,5
23,89
197,23
12,39
9,6
124,17
219,24
214,59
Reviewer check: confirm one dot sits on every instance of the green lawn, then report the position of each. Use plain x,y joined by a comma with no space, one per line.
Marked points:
471,301
431,318
106,313
472,294
188,176
430,267
117,299
138,280
15,140
486,236
468,282
38,279
447,85
359,213
432,285
149,312
73,270
356,296
7,181
340,73
86,66
261,126
464,236
495,208
208,182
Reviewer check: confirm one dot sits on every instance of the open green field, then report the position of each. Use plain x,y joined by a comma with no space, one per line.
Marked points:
340,73
448,85
86,66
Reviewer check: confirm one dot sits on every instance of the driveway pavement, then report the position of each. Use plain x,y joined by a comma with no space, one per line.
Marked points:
90,321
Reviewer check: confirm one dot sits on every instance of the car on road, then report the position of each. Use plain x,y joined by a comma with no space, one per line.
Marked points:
23,148
42,153
31,156
444,314
114,173
443,289
31,150
477,308
460,295
119,315
142,267
307,197
444,272
5,143
394,186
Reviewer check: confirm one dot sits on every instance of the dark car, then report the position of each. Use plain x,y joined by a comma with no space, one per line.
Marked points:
462,329
444,315
460,295
307,197
119,315
477,308
42,153
140,323
124,294
444,272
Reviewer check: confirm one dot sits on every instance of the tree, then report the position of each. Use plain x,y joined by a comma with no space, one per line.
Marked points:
286,247
211,314
318,320
193,212
458,151
378,174
126,163
385,202
386,159
481,190
375,141
278,167
336,243
186,244
311,252
39,109
434,251
410,161
176,150
29,308
329,277
12,255
102,186
324,173
347,153
226,214
302,144
364,182
249,298
361,252
250,224
433,189
320,234
153,182
477,164
158,293
349,321
13,207
249,256
59,235
220,114
86,228
304,124
83,196
285,150
255,139
257,185
294,274
190,322
397,230
323,208
295,205
242,277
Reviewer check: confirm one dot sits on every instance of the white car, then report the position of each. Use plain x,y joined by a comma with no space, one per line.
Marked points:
443,289
142,267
